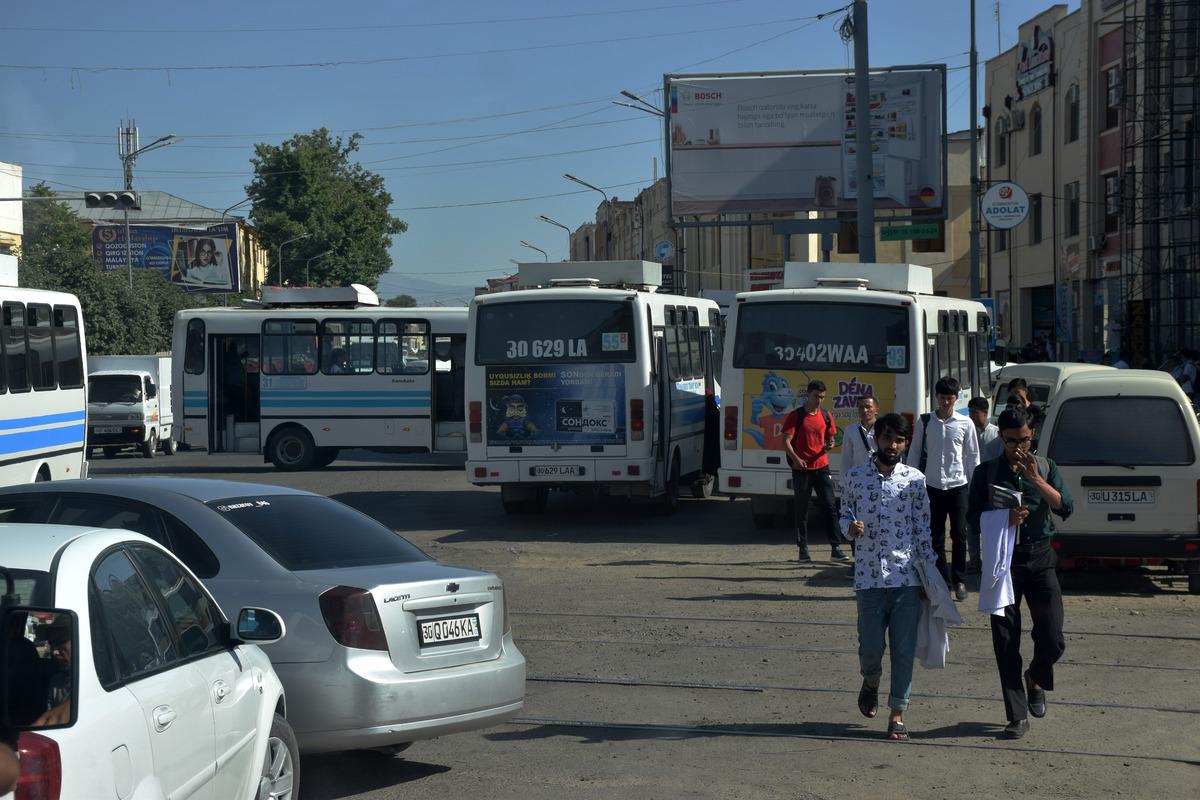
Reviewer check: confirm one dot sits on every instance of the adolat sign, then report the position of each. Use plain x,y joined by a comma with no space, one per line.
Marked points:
1005,205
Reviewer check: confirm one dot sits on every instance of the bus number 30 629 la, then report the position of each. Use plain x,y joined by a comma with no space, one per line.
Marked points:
547,348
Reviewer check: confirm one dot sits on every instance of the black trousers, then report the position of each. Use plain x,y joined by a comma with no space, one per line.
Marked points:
804,483
1034,579
951,503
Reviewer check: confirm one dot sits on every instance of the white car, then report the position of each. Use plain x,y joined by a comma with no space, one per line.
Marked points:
127,679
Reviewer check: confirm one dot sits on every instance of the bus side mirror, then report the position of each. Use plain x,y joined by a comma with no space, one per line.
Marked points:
1000,355
40,670
151,391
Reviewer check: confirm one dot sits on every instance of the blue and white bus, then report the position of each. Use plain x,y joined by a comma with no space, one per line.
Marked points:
313,371
589,379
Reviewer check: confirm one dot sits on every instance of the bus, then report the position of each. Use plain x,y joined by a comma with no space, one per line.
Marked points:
43,403
865,330
587,378
310,371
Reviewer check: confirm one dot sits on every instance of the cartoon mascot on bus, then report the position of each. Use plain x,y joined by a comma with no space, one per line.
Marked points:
516,424
769,410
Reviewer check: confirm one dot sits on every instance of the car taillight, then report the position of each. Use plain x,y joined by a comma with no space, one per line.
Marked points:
475,420
731,427
41,768
352,618
637,420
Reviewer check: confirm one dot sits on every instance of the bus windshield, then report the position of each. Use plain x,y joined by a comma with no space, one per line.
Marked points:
114,389
822,336
558,331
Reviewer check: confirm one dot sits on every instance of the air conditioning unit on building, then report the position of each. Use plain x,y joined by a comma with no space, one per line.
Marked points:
1096,243
1018,120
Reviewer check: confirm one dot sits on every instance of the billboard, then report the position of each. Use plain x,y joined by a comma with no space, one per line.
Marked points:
784,142
196,259
549,404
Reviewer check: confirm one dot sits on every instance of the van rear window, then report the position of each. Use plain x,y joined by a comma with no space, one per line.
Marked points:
1125,431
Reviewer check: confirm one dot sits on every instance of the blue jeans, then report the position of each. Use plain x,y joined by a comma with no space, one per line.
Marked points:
896,612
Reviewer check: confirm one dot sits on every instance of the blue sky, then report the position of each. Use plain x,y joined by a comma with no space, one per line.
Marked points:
465,107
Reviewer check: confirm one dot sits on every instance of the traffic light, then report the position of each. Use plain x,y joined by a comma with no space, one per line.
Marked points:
120,200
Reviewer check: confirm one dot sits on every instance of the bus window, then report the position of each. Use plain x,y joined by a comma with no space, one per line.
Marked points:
716,330
41,347
16,365
193,354
564,332
289,347
674,361
66,348
402,348
347,347
693,333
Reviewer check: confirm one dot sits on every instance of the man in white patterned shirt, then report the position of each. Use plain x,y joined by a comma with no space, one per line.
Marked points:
885,511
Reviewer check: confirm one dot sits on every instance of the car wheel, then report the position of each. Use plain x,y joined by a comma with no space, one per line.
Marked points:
151,445
110,452
291,449
280,779
169,446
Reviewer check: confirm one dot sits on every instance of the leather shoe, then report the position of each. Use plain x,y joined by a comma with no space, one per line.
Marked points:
1015,729
838,554
960,591
1037,697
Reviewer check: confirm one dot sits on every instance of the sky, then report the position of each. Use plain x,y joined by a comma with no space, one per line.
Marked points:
471,111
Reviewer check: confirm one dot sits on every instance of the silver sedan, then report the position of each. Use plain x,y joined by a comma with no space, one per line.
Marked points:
385,645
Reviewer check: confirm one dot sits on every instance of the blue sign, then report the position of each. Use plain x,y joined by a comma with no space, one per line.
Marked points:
664,250
196,259
544,404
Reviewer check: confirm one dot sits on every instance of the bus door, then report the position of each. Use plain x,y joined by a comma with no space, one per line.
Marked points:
664,384
233,393
449,389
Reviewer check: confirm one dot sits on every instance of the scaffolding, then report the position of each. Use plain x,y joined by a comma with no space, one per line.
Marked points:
1159,195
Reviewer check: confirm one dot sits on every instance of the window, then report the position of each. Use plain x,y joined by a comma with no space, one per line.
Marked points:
67,352
189,548
1138,431
1001,240
1035,130
16,362
41,347
141,642
1071,212
1001,142
1112,202
97,511
671,336
290,347
347,347
867,337
189,608
847,238
562,331
1072,113
193,352
693,332
402,348
1112,99
1035,218
716,333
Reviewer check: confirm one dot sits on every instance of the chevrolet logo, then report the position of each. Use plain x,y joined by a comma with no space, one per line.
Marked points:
451,587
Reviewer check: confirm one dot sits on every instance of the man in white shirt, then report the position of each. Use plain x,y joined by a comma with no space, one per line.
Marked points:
946,448
858,441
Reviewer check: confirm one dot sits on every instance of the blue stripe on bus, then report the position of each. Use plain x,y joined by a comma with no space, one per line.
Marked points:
350,403
337,393
48,419
196,393
37,440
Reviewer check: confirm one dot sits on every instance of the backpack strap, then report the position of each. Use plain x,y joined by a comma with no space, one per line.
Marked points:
866,444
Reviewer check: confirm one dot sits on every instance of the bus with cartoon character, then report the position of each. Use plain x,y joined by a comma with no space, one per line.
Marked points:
586,378
865,330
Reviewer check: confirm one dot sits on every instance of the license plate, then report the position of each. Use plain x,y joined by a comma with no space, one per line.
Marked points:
558,471
106,429
448,630
1121,497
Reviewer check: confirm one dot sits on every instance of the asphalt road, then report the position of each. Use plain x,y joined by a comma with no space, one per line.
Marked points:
688,657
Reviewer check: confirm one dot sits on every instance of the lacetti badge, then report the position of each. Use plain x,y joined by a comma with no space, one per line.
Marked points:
1005,205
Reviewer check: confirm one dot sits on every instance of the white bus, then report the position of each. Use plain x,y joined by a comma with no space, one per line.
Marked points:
864,330
43,405
313,371
589,379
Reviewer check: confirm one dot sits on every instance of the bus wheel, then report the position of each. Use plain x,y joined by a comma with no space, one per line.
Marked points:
291,449
170,447
703,488
110,452
150,447
669,502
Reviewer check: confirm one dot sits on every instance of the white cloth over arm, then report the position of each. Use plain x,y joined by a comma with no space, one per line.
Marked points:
937,612
996,540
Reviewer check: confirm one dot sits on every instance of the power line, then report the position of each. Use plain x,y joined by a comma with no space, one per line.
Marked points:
515,199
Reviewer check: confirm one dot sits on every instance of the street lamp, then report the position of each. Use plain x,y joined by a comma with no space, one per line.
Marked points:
279,257
127,160
241,202
644,107
545,255
308,267
607,214
544,218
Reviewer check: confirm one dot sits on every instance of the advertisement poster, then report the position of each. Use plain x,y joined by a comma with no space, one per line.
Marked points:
786,141
772,394
197,259
543,404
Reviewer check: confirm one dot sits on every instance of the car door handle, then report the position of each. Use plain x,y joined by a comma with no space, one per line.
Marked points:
221,690
163,717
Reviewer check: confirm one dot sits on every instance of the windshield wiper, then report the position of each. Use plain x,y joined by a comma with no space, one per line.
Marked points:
1099,462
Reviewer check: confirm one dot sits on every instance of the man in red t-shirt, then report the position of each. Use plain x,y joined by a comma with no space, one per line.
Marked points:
809,434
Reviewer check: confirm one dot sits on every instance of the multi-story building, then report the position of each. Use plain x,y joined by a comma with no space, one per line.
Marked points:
11,215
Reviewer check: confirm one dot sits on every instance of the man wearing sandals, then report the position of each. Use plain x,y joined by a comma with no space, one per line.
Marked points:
885,510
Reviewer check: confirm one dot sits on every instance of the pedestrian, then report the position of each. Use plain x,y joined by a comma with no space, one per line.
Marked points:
990,446
885,512
809,433
858,440
1032,568
946,448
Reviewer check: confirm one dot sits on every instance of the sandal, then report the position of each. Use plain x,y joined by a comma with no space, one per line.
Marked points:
868,701
896,731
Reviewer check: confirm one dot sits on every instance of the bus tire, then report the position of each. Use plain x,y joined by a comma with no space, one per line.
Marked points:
669,501
703,488
150,446
110,452
169,446
291,449
326,456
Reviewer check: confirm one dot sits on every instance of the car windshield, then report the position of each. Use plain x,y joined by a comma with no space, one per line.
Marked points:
306,532
1134,431
114,389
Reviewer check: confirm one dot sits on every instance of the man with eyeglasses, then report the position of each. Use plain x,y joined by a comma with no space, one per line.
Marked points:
1032,567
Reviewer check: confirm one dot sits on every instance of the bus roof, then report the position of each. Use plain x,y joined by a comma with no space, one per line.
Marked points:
310,311
644,275
906,278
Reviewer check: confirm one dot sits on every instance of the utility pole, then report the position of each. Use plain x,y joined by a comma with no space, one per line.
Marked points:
127,146
862,135
974,163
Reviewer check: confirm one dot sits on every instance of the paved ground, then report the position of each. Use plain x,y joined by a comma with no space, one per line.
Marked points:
687,657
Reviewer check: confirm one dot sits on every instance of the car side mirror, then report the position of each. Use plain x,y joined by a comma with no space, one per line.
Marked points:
258,626
40,671
151,391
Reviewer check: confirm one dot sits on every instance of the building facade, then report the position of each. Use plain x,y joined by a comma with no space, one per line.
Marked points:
11,213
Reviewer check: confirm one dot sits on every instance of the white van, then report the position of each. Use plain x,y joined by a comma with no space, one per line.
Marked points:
1127,444
1044,379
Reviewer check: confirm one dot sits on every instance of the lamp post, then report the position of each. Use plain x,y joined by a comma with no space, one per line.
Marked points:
279,257
127,160
607,213
544,218
308,267
241,202
545,255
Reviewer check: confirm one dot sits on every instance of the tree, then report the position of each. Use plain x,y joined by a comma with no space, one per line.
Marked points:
401,301
309,185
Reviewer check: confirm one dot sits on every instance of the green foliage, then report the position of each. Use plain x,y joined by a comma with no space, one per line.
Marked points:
309,185
401,301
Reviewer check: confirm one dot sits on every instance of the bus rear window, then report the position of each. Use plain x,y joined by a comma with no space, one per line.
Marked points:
822,336
1121,430
559,331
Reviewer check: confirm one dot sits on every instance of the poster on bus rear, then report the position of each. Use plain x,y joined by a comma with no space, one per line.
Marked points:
548,404
771,395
